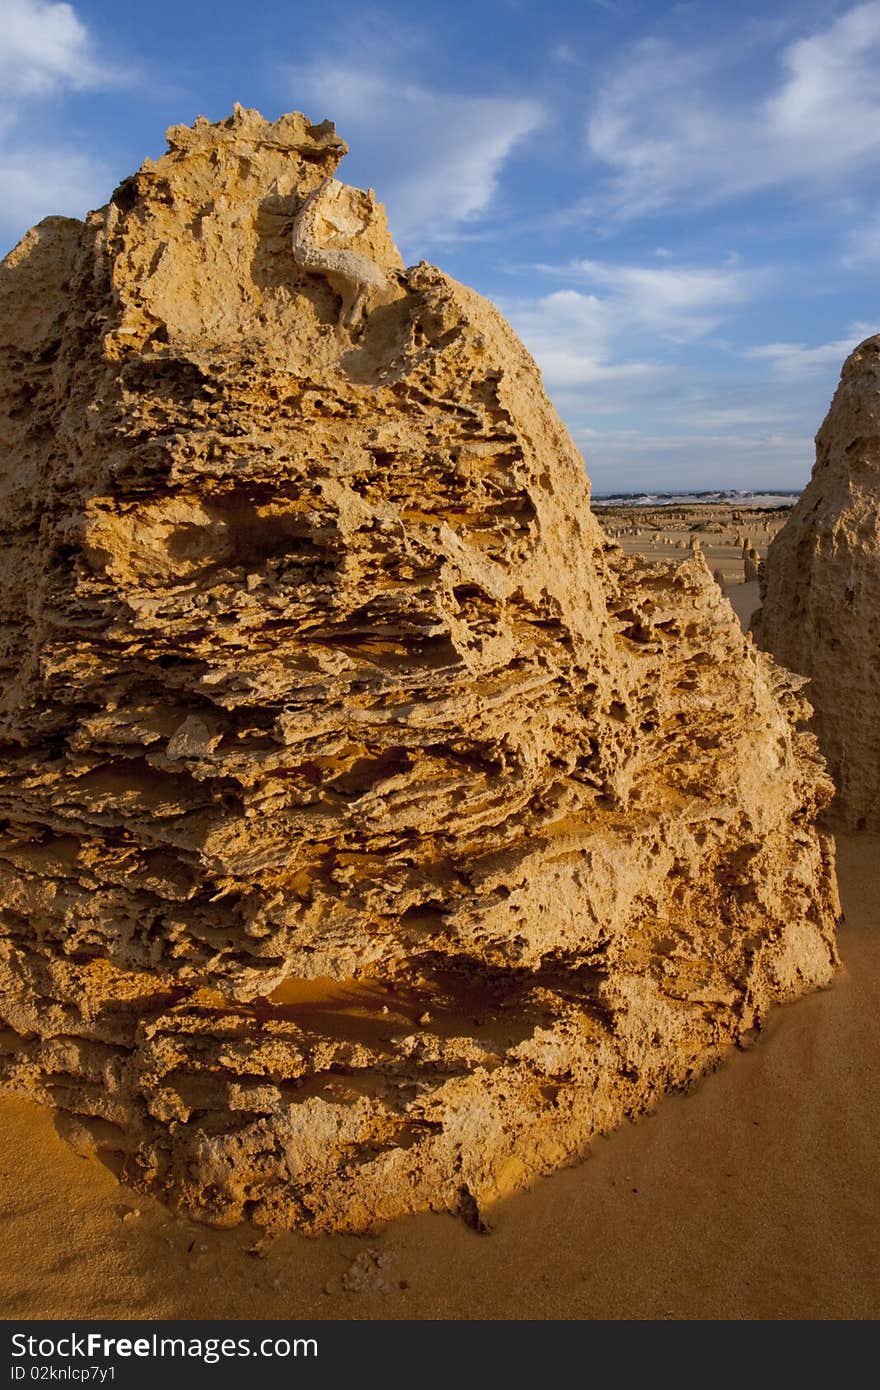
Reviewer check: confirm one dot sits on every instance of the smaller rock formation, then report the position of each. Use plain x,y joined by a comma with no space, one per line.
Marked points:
352,276
821,590
751,564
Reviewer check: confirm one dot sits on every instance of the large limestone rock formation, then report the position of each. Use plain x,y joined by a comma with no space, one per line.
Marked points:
374,831
821,590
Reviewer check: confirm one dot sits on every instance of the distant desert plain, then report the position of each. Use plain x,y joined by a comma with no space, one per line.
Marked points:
724,533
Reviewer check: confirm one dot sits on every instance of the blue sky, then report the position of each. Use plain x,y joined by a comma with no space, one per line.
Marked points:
677,205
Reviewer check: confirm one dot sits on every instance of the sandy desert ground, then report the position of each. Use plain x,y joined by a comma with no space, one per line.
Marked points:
720,531
755,1195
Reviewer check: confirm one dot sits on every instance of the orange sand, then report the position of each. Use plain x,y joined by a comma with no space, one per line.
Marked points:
755,1196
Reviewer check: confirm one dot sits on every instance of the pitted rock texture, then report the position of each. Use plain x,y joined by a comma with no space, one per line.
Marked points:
374,831
820,611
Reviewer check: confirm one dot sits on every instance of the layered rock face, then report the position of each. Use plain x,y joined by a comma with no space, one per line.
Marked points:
374,831
820,611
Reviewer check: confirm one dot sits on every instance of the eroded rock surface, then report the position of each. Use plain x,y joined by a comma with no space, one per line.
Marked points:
820,610
374,830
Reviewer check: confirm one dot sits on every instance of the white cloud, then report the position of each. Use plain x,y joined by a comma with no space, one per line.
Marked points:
571,336
827,105
795,360
437,156
36,182
582,339
44,46
676,302
671,124
626,349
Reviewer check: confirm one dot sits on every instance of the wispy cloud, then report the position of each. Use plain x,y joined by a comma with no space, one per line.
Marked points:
678,303
671,123
437,156
585,338
638,344
39,180
572,338
44,46
44,49
797,360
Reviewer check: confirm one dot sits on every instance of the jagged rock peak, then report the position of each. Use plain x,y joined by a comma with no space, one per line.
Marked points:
293,131
373,832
